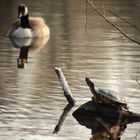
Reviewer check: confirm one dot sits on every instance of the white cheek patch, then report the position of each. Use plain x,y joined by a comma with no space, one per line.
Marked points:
26,11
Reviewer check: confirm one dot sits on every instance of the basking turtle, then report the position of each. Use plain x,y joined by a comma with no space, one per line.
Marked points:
105,96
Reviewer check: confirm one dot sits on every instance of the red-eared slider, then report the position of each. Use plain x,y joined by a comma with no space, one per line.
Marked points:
105,96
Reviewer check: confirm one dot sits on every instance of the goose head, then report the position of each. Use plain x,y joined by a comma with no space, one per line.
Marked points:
23,15
22,10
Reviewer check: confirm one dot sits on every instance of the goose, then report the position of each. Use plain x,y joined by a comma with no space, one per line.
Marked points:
28,27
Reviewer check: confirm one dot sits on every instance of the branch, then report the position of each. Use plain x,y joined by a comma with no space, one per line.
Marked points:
135,80
90,2
134,137
137,76
64,85
86,16
133,25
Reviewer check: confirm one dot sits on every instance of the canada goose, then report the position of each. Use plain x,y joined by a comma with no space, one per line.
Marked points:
28,27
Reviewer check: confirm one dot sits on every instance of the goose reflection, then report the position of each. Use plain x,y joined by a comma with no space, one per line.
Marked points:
26,44
104,121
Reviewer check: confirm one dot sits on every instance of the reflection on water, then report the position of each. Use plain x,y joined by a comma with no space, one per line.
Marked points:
67,109
25,45
30,99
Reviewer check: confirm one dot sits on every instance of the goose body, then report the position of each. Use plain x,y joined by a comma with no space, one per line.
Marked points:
28,27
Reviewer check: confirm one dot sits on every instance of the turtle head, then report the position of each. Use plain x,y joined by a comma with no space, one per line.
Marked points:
89,82
91,86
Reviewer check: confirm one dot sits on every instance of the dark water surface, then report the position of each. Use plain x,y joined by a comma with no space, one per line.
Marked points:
31,99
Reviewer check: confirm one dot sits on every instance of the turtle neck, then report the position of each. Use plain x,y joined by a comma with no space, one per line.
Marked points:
24,22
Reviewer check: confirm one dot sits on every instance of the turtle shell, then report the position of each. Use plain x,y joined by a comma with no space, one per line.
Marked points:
108,96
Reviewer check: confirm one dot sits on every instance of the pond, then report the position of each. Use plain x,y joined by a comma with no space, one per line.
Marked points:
31,99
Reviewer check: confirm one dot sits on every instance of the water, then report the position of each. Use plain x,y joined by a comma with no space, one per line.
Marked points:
31,99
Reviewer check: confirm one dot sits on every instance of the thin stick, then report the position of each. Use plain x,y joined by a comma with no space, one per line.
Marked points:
91,3
118,21
103,10
131,24
135,80
137,76
64,85
137,73
86,16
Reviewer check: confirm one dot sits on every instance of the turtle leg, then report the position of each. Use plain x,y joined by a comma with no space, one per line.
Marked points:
94,98
126,107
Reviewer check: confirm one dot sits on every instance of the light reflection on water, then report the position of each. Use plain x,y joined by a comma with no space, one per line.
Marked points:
31,99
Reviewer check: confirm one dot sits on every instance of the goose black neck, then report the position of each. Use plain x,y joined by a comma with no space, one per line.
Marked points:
25,22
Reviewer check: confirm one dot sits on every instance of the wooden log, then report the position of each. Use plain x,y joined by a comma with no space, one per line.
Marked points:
104,119
64,85
91,109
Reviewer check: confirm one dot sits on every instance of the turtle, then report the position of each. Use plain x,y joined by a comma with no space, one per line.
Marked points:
105,96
